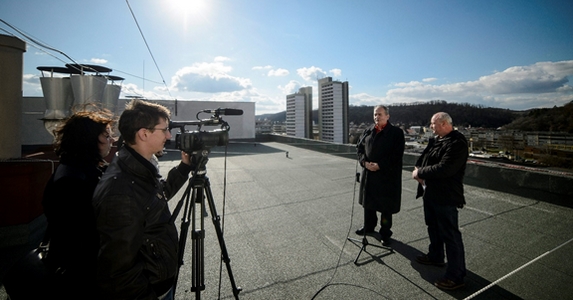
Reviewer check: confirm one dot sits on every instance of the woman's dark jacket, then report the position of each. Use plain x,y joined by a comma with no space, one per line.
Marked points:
71,225
382,190
138,240
442,166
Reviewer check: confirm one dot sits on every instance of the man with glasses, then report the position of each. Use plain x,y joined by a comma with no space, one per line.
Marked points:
138,241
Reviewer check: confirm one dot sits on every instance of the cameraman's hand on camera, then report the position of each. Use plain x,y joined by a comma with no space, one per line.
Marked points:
185,158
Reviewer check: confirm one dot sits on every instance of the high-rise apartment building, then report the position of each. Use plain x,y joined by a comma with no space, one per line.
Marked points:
333,110
299,113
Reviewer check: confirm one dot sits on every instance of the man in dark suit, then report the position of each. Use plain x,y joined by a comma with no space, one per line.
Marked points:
380,153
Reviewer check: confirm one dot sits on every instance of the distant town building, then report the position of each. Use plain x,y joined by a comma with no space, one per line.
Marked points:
299,113
263,126
333,110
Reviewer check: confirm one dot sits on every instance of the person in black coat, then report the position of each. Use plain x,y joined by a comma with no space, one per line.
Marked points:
380,152
440,173
81,143
138,257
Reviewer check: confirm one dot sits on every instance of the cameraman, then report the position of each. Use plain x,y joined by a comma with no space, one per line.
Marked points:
138,242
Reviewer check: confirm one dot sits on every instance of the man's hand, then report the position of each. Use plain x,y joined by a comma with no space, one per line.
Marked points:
185,158
415,176
371,166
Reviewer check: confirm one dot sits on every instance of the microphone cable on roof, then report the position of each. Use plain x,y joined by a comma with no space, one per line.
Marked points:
329,283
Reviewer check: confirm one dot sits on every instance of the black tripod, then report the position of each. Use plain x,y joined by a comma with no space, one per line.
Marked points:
364,240
199,189
366,243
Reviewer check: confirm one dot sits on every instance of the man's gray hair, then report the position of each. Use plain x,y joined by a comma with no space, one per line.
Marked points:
384,107
442,116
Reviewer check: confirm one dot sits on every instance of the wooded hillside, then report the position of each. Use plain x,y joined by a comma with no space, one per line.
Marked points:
419,114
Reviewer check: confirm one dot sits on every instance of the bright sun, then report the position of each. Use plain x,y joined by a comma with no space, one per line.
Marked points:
188,7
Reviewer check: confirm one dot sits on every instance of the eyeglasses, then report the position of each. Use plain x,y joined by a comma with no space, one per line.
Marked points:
162,129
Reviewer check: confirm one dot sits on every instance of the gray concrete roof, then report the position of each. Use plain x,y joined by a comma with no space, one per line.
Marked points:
287,219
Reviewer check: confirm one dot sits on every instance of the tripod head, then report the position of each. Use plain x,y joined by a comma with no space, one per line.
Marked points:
199,159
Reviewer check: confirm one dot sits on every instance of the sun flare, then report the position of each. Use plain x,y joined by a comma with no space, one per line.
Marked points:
188,7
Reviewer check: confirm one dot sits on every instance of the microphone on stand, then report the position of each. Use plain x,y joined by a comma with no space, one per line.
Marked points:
364,135
225,111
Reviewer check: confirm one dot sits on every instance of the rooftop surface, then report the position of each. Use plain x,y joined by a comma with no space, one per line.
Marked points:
287,214
287,218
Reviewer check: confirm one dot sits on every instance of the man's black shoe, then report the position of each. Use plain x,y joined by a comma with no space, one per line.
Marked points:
363,231
425,260
446,284
386,242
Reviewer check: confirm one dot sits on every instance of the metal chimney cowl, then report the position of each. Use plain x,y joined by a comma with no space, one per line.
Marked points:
61,94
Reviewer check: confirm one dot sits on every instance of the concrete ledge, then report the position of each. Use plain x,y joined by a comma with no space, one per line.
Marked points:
526,182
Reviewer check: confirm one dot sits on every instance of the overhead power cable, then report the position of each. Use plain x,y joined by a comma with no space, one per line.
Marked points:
148,49
33,40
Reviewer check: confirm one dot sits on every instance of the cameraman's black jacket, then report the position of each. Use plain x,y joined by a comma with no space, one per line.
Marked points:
442,166
138,242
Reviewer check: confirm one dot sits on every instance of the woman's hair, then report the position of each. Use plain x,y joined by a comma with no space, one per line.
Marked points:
77,138
140,114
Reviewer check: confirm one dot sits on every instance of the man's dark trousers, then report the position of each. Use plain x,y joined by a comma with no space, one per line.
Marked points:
443,229
370,220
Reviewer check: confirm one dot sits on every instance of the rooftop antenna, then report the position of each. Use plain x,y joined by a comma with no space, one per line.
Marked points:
143,78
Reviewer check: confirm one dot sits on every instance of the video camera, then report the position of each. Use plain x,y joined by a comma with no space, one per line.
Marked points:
193,141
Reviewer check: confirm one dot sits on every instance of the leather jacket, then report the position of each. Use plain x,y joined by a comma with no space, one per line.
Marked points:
138,241
442,166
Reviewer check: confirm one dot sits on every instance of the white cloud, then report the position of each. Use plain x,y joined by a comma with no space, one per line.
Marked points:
311,74
221,59
31,84
208,78
541,77
431,79
131,89
99,61
336,72
278,72
290,88
542,84
262,68
365,99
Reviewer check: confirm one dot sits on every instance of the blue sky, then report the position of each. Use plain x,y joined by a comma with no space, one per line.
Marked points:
500,53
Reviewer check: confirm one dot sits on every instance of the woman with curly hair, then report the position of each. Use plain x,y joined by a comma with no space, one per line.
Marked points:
81,142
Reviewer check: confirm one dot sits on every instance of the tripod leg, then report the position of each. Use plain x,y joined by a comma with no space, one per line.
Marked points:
365,243
193,197
217,223
198,242
183,233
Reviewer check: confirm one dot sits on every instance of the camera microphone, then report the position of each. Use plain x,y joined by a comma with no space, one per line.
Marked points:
225,111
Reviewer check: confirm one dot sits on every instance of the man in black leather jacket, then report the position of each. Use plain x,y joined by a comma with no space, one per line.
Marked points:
138,242
440,172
